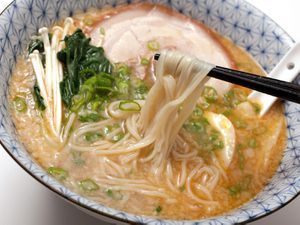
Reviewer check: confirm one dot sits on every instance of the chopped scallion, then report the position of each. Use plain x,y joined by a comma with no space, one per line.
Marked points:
58,173
88,185
123,69
117,137
153,45
92,136
198,126
240,124
145,61
20,104
77,159
197,113
140,92
241,186
234,97
129,106
210,94
252,143
256,106
158,210
116,195
102,30
218,145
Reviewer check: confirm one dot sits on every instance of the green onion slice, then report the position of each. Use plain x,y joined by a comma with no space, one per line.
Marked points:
210,94
158,209
145,61
88,185
102,30
58,173
20,104
129,106
116,195
153,45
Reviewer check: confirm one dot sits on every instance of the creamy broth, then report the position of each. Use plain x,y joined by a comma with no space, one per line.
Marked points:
259,142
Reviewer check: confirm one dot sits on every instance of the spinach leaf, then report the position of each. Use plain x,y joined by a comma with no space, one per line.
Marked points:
79,56
36,44
39,100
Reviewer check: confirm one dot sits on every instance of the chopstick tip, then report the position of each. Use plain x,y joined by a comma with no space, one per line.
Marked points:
156,56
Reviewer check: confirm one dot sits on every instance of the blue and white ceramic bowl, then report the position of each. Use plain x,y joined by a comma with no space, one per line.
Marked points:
242,23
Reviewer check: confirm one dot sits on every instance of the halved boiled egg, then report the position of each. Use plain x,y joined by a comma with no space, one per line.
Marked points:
223,125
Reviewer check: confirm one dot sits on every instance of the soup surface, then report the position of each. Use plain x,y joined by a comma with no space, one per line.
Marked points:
83,149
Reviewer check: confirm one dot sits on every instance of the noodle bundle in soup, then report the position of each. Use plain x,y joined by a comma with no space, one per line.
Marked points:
153,138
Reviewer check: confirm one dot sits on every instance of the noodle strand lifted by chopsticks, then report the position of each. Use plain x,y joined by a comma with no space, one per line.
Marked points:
152,134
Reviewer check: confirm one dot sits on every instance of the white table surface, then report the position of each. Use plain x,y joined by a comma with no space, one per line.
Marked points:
24,201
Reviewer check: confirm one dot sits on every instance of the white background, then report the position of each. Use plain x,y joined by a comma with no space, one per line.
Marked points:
24,201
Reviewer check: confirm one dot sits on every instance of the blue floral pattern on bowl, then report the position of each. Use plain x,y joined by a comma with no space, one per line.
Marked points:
242,23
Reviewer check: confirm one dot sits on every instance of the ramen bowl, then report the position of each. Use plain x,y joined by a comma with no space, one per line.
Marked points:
237,20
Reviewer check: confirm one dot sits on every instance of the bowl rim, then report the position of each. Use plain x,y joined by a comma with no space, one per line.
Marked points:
93,210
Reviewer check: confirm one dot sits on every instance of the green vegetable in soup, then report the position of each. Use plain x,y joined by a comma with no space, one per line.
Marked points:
95,105
145,61
118,137
39,100
93,89
210,94
129,106
102,31
227,112
116,195
153,45
77,56
123,87
197,113
256,106
140,91
123,70
252,143
58,173
91,117
242,185
196,126
207,138
234,97
35,44
77,159
158,209
92,136
241,157
239,123
20,104
122,80
86,74
88,185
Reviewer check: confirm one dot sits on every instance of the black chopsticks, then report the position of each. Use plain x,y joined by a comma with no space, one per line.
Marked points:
281,89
